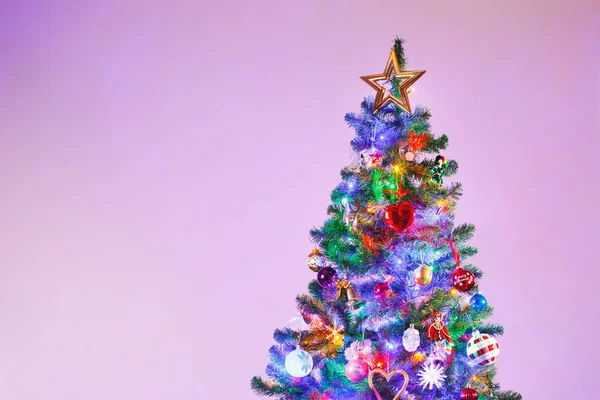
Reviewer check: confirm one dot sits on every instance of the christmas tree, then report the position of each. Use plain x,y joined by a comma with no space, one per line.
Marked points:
394,311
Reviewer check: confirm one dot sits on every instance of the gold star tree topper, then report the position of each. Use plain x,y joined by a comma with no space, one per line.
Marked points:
392,72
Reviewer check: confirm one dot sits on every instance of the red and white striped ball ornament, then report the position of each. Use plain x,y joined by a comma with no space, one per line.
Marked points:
483,348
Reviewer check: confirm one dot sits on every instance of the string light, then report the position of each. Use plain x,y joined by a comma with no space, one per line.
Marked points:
335,334
390,345
418,357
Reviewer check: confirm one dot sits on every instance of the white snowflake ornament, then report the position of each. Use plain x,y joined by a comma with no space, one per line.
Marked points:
431,375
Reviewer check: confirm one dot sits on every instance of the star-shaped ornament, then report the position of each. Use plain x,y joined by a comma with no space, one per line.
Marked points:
335,333
372,157
393,74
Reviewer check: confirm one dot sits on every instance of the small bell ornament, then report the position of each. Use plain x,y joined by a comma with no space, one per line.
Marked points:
347,291
354,300
411,339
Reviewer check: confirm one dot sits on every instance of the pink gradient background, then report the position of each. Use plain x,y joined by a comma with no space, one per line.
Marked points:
161,164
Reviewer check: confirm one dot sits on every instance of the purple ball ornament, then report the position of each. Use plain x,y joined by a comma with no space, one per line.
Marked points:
357,370
327,277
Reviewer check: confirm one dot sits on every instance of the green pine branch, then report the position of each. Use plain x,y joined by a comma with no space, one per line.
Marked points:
286,336
399,47
492,329
315,290
463,232
263,388
434,145
508,395
311,305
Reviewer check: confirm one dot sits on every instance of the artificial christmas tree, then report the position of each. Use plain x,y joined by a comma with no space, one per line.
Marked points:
392,313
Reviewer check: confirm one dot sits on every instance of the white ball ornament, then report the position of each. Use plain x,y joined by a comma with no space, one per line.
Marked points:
411,339
483,349
298,363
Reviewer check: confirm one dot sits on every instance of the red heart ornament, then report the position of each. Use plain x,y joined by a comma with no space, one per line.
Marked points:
387,378
399,216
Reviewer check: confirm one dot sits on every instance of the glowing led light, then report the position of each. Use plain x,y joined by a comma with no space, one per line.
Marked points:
418,357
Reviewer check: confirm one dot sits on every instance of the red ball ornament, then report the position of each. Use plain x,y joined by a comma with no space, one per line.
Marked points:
399,216
382,289
468,394
462,279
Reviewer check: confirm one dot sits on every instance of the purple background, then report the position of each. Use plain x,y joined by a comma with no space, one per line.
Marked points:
161,164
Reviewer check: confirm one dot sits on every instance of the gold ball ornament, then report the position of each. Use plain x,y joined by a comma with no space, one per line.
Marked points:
423,275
